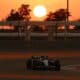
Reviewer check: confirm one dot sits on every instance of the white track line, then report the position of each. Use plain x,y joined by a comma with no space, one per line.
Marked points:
72,68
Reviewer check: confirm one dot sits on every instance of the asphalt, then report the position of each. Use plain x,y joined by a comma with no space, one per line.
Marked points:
15,69
14,52
39,45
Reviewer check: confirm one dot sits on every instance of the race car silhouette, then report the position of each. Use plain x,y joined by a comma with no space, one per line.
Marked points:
42,63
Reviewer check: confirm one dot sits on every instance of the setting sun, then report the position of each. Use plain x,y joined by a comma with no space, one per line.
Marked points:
49,6
39,11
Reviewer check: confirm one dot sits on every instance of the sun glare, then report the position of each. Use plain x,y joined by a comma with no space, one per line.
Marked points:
39,11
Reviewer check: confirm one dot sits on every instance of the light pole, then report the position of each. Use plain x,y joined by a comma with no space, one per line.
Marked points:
67,19
67,10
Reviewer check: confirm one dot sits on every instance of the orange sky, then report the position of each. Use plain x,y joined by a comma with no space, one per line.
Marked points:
51,5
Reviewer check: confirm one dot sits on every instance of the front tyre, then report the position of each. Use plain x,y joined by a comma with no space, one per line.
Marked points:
29,64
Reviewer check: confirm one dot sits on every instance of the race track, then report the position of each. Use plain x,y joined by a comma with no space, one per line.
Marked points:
13,55
13,67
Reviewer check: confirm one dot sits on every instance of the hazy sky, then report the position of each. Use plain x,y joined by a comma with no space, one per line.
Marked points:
51,5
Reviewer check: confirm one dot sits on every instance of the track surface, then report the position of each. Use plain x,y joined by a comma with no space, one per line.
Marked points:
13,55
13,67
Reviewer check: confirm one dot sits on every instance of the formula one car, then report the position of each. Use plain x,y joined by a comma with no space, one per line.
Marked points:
42,63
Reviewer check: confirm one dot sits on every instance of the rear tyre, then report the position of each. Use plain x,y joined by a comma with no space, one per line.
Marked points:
57,65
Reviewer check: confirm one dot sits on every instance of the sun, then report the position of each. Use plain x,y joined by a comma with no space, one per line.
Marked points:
39,11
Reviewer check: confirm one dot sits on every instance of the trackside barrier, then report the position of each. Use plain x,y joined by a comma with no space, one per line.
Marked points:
51,29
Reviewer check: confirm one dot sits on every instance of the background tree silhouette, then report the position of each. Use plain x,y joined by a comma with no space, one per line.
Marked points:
14,15
58,15
77,27
23,13
61,15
